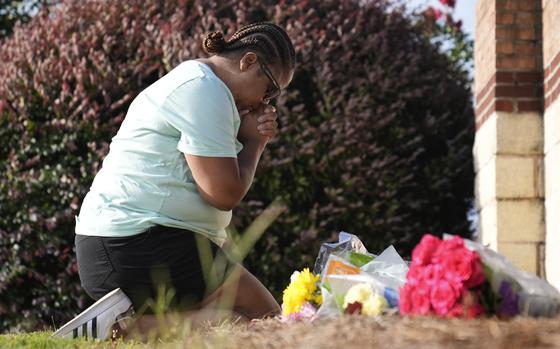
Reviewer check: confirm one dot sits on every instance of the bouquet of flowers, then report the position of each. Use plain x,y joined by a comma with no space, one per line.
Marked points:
444,279
456,277
450,277
349,280
302,297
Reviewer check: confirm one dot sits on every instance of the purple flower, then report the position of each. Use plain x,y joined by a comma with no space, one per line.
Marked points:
307,312
509,305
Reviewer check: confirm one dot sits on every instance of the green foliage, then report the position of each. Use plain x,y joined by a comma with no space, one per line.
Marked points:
376,133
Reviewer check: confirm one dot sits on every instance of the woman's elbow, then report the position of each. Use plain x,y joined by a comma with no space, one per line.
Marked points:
222,202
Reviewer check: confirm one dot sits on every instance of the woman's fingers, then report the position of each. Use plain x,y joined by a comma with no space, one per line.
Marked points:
268,128
269,125
244,112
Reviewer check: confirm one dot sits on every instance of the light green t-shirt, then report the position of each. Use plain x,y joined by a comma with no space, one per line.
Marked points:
145,179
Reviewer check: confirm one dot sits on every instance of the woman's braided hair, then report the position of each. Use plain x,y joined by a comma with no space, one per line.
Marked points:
268,39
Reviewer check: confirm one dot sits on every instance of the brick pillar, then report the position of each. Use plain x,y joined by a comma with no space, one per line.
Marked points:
551,59
508,146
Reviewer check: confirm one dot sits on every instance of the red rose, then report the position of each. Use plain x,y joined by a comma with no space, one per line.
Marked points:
443,297
422,253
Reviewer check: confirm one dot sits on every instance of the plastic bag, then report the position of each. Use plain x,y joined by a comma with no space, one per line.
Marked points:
345,267
346,243
536,297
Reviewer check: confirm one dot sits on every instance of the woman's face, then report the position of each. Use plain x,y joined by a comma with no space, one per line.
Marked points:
259,82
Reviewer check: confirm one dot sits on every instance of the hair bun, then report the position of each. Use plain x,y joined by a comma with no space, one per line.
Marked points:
214,42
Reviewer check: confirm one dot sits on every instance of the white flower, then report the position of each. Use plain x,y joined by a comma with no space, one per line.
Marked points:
372,304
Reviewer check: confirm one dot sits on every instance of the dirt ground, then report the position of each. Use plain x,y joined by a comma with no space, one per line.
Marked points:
390,332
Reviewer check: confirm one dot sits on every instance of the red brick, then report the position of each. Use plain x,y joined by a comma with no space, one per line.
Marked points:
527,77
532,105
526,18
506,33
524,5
516,62
516,33
516,91
527,47
528,34
504,77
504,46
504,105
529,5
507,4
505,18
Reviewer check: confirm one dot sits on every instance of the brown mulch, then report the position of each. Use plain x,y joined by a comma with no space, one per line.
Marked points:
391,332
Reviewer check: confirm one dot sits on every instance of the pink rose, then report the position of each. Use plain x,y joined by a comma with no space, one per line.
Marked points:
405,304
443,297
458,265
415,275
420,298
477,274
431,274
422,253
456,311
449,245
468,307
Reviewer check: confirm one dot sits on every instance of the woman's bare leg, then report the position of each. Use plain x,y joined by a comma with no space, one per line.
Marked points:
244,294
241,297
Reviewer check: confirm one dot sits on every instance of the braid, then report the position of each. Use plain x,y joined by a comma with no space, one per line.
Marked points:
267,38
214,42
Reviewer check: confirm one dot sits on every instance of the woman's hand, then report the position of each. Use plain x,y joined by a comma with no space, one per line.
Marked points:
258,125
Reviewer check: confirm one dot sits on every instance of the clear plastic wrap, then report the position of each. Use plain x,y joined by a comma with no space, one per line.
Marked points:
535,296
347,263
346,243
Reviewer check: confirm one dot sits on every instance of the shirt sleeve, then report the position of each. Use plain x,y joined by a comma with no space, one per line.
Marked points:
203,112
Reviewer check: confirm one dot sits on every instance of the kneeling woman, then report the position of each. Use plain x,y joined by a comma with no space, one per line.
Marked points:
185,155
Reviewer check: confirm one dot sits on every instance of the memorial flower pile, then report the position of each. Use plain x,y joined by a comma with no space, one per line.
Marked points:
449,277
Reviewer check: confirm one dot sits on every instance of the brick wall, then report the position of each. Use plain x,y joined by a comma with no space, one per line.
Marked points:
508,145
508,57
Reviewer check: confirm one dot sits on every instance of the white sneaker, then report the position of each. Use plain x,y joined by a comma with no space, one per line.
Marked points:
96,322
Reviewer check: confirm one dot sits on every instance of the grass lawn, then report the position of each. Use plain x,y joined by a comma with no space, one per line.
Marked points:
343,333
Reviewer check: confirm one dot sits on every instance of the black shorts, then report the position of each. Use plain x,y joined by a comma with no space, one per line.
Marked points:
177,264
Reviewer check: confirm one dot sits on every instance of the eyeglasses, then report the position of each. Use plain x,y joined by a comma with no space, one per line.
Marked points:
276,91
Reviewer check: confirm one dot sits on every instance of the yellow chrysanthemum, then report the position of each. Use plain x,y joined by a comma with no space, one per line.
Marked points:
300,290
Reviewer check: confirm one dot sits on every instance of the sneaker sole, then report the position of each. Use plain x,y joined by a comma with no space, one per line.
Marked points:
90,313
